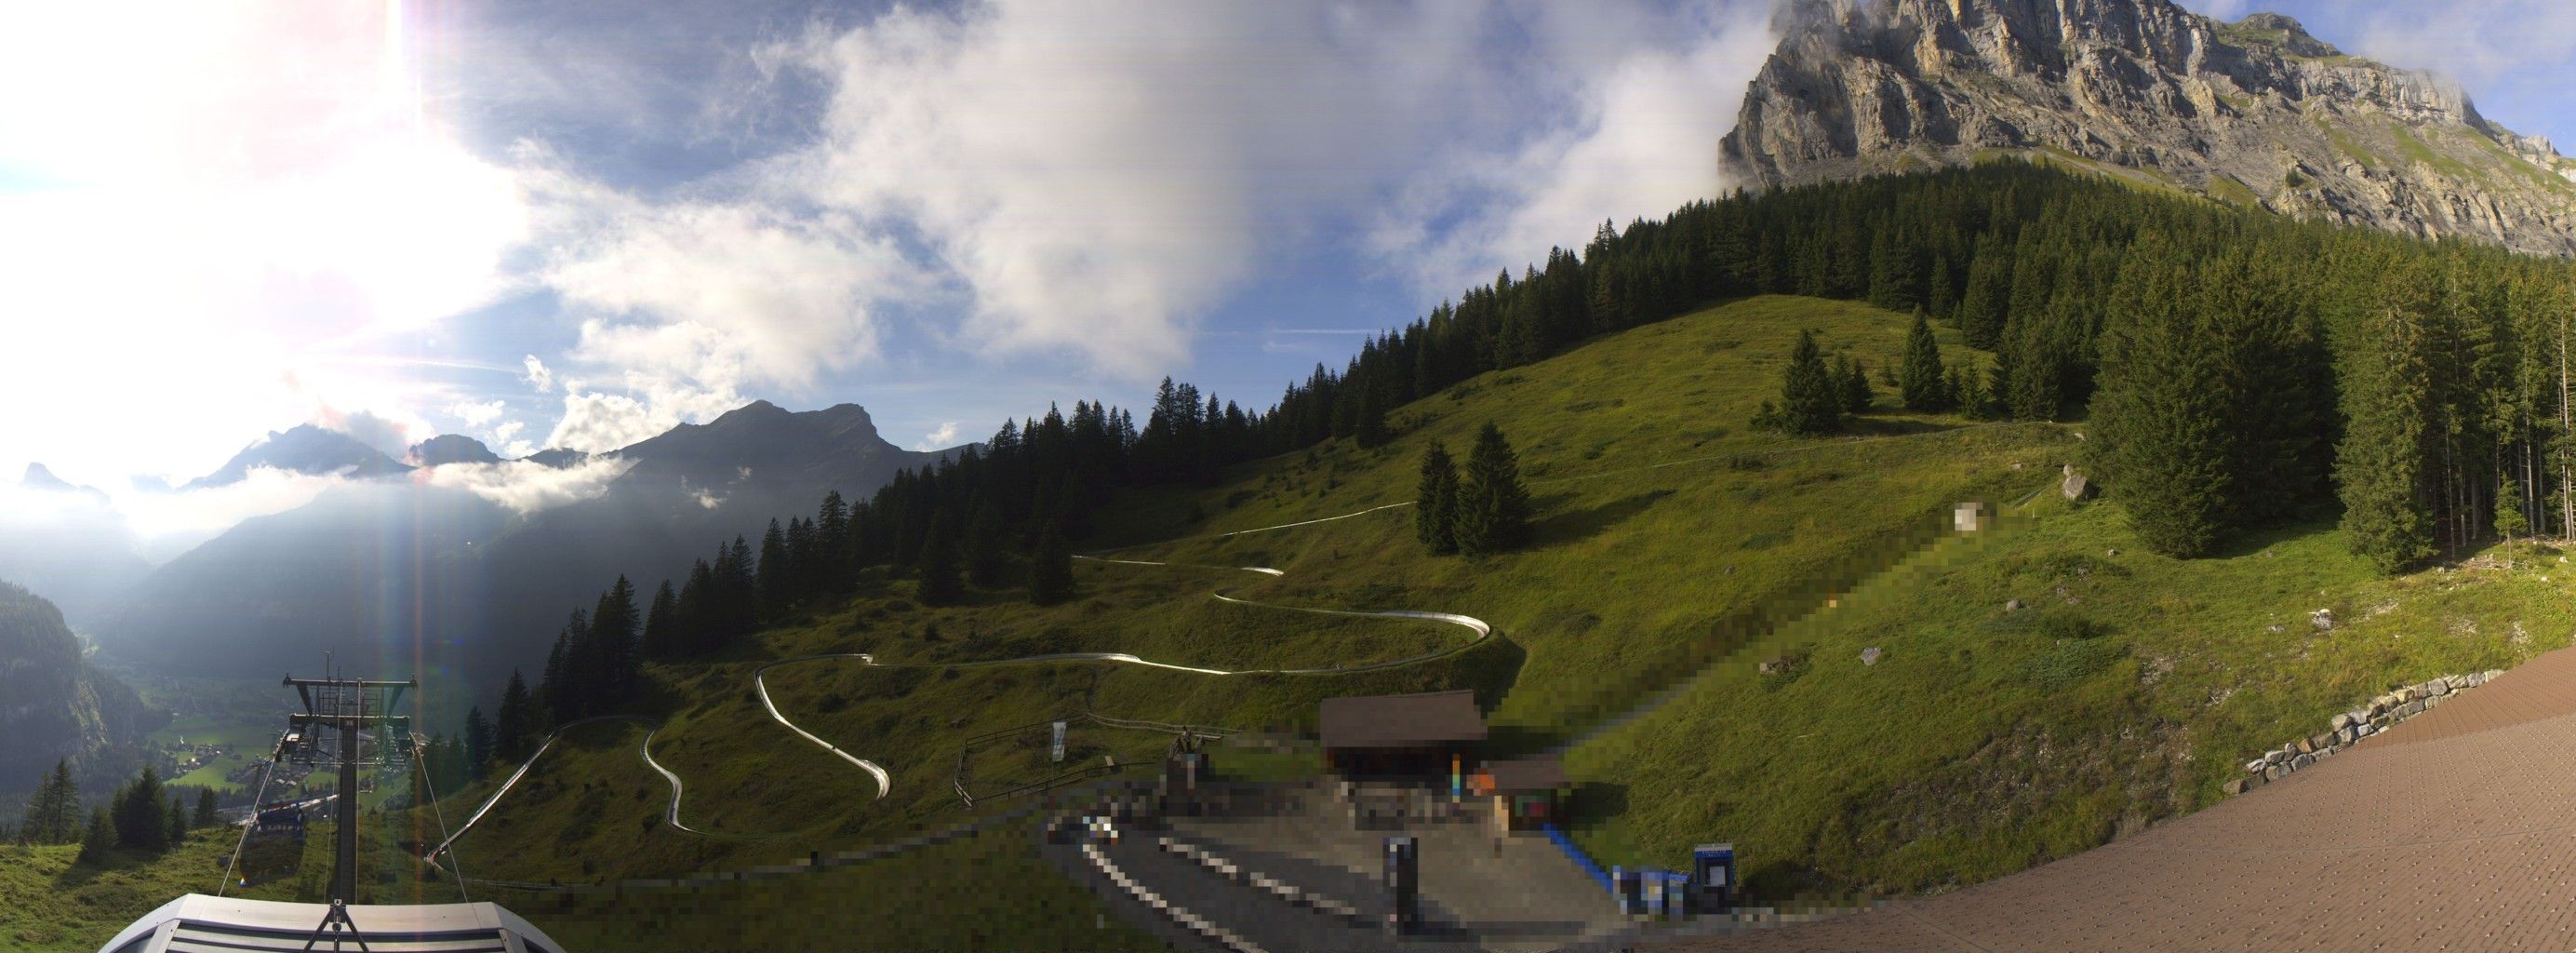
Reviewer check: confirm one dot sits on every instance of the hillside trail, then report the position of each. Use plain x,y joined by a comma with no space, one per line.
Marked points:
1482,632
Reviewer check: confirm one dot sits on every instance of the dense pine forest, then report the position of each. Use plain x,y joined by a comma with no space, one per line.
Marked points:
2234,369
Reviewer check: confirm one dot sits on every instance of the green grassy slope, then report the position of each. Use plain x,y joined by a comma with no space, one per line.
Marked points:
1984,741
1674,548
1669,535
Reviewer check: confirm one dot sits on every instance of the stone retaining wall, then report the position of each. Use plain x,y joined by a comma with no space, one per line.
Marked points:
2348,728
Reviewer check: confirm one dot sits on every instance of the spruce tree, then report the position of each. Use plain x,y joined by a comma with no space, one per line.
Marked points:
661,625
940,584
1051,570
1852,385
1926,388
985,546
1435,506
2161,423
98,837
177,829
1493,507
206,815
517,719
2509,521
140,821
1811,400
2387,395
774,574
478,741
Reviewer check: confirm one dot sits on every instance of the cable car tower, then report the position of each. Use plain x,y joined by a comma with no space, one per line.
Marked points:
347,723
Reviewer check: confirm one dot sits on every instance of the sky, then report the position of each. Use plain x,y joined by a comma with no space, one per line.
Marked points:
558,224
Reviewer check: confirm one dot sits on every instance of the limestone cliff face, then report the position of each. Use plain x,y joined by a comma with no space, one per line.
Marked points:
53,704
2254,112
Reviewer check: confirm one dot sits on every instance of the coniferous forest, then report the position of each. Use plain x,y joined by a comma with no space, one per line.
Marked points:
2230,369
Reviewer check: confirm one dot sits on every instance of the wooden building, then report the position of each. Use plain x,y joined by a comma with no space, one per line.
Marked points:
1400,736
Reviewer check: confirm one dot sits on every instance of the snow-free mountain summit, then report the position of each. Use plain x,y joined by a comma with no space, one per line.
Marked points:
2255,112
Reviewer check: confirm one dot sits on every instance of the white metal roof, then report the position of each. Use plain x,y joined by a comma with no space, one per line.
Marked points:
197,923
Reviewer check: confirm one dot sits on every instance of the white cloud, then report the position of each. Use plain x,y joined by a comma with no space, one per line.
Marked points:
476,415
506,442
597,422
173,523
391,434
526,487
208,230
1640,138
942,438
537,374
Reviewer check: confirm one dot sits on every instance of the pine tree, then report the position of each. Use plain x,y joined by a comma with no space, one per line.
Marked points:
940,584
2509,521
985,546
1051,570
516,721
98,837
177,827
2161,423
1811,400
1371,432
206,815
1435,508
774,574
616,665
478,741
1925,386
140,822
1493,506
661,625
53,813
1851,385
2379,466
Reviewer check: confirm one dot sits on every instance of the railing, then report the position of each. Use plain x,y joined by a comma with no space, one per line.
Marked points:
1581,859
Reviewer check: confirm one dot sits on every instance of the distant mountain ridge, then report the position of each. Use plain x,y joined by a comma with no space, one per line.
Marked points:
450,448
2255,112
414,569
306,449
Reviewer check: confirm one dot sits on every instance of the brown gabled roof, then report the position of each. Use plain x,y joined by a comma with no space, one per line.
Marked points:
1395,721
1527,774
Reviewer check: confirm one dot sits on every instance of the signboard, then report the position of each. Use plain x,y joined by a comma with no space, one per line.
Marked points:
1057,754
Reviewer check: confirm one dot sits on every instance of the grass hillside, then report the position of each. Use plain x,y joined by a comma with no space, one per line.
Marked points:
1984,741
1675,550
1669,536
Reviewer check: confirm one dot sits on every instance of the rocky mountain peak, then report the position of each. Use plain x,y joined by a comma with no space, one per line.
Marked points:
450,448
2256,112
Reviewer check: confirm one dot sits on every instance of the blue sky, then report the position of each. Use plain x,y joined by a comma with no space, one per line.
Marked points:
564,224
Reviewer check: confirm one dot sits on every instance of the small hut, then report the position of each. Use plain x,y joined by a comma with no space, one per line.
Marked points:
1400,736
1527,792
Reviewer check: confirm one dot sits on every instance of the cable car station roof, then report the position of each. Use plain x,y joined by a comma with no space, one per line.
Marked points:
197,923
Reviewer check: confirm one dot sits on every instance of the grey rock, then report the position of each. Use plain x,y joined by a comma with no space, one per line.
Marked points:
2411,710
2321,620
2321,740
1869,656
2255,766
2258,112
2437,687
2275,772
2342,721
2015,605
2233,787
2493,672
2076,487
2302,761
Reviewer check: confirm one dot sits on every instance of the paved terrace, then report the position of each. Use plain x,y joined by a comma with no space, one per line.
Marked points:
2454,830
